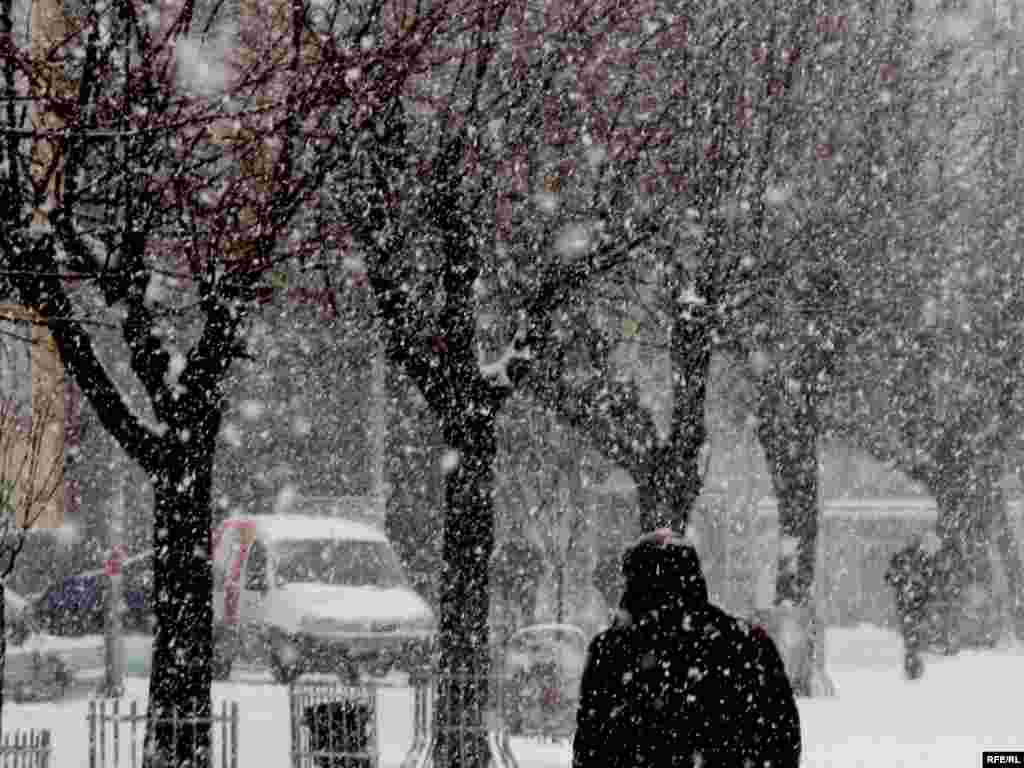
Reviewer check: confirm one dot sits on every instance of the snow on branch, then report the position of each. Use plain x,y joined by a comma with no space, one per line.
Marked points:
497,371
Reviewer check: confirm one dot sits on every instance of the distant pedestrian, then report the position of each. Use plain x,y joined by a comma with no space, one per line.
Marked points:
678,682
911,575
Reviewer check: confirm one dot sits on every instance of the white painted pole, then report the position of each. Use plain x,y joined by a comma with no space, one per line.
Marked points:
378,414
114,678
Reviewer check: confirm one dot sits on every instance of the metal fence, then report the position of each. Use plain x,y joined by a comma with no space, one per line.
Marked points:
26,749
451,724
338,726
117,735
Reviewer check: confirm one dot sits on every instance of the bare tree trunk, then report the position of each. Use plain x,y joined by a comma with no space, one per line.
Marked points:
671,478
463,686
3,650
965,494
1009,552
179,687
788,435
972,517
560,599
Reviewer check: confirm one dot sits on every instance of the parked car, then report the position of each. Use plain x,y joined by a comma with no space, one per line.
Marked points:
315,592
541,677
77,605
300,592
76,609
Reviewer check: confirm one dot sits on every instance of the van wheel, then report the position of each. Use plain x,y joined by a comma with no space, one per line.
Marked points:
286,661
223,658
221,665
284,673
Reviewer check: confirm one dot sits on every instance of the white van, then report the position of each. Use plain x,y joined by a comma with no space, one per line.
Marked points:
310,593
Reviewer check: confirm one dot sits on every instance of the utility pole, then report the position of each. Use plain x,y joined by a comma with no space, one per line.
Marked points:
381,489
113,683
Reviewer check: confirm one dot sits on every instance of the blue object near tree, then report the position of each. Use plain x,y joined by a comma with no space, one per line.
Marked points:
78,593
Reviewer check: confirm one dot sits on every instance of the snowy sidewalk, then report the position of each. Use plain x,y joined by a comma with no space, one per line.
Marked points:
963,705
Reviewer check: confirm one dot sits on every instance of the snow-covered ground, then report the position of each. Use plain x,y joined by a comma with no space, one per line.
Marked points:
963,705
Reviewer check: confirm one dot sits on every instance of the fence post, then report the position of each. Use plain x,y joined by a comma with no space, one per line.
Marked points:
92,734
133,713
176,730
103,733
293,730
223,733
117,733
234,734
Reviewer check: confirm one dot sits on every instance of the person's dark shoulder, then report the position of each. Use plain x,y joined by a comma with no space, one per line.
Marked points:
728,626
602,643
725,636
604,650
748,640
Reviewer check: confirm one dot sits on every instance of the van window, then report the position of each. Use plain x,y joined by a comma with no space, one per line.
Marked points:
256,568
226,556
341,563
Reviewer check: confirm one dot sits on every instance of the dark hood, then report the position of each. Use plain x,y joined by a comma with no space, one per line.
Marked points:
662,573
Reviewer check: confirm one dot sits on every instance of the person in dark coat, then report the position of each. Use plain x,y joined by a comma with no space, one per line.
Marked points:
912,576
676,681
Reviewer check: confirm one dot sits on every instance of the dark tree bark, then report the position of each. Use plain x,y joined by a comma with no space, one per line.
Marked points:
669,478
790,447
3,649
465,604
1009,552
788,433
668,474
972,516
445,369
179,462
183,646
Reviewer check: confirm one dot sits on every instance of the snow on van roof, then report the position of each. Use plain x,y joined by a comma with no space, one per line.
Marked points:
307,528
877,509
550,627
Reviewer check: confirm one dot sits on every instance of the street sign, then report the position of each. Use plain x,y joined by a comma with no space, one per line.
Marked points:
115,561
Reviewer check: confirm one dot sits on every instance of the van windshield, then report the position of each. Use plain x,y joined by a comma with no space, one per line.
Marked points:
339,563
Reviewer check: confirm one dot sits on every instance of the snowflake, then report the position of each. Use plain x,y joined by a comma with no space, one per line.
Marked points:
253,409
66,534
233,435
285,500
450,461
202,68
547,202
574,240
777,195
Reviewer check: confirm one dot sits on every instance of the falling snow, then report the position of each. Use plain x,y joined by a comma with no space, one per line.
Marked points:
450,461
253,410
777,303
